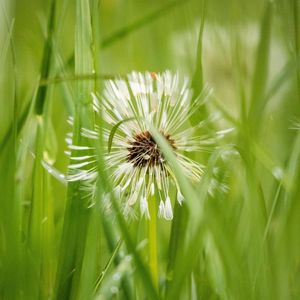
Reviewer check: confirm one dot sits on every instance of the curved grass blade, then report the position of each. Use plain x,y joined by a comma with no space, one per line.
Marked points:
114,130
140,23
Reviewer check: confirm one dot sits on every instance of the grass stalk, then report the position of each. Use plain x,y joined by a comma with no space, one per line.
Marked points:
152,240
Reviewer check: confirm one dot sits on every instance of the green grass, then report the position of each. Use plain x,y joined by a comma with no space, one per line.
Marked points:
57,242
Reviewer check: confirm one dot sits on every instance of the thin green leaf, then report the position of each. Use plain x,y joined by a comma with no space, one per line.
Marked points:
197,80
46,60
108,265
296,21
140,23
124,32
260,75
80,220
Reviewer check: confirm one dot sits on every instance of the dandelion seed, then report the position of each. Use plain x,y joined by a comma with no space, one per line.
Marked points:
137,164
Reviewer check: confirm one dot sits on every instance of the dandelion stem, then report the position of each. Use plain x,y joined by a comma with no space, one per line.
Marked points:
152,241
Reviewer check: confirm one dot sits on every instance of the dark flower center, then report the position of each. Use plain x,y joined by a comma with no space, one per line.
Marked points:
144,151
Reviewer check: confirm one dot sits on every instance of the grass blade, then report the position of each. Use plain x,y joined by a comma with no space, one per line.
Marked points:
260,75
46,60
78,229
140,23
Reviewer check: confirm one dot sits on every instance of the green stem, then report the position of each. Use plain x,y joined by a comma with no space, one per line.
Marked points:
152,241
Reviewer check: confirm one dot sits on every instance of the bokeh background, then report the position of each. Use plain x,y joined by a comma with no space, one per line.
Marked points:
247,246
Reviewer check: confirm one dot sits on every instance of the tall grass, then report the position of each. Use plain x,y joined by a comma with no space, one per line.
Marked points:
57,241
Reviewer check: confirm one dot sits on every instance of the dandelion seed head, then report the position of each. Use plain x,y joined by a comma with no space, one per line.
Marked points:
136,163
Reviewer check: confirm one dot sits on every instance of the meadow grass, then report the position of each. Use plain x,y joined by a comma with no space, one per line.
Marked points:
236,235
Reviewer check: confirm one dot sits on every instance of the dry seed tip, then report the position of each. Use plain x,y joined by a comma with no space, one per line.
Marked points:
144,151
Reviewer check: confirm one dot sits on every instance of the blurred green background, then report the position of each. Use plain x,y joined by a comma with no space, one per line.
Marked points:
245,244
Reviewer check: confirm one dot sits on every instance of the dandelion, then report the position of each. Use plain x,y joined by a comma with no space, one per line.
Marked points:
137,164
